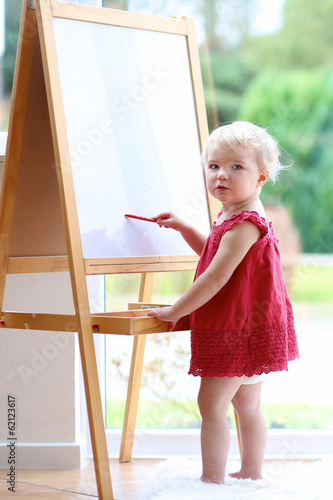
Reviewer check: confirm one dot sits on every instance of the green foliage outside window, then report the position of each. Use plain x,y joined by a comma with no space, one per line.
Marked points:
297,107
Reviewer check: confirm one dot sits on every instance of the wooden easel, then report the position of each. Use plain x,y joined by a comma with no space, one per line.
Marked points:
39,229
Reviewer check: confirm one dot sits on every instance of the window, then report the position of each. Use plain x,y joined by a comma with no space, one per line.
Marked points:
293,402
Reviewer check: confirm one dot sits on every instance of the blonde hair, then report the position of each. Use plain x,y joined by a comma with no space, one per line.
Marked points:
247,135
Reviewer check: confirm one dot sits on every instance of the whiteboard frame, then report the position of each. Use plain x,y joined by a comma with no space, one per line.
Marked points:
183,26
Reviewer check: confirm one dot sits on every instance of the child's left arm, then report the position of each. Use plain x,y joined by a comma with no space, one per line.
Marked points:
233,247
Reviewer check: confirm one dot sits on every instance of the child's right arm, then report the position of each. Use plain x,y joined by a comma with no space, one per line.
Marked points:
236,243
191,235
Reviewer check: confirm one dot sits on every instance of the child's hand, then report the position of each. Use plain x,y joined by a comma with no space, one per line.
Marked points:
169,220
191,235
165,314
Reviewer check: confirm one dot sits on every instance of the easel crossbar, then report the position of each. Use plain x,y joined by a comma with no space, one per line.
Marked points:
50,264
118,18
134,322
110,266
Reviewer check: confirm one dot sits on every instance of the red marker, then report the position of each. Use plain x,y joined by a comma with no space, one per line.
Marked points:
148,219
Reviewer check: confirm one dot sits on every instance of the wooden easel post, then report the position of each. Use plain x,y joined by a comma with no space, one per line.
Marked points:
238,432
15,132
75,257
134,381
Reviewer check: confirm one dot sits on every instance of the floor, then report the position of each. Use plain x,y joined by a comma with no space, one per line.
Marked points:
129,482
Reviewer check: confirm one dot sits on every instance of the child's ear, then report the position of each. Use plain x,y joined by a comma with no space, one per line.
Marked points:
263,177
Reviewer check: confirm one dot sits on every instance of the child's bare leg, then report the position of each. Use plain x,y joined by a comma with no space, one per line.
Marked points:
214,399
253,430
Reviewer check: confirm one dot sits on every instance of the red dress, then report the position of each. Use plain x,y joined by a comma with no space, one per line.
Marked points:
247,328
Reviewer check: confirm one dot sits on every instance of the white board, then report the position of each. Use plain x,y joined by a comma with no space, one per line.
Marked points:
133,136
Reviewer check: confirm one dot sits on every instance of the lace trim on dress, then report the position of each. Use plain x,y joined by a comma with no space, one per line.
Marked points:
244,352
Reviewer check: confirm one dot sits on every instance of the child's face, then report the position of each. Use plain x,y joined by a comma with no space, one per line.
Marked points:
233,177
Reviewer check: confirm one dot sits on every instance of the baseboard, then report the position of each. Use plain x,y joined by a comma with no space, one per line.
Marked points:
41,455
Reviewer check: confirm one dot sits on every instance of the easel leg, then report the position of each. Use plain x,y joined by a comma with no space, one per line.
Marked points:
132,401
95,413
15,137
238,433
134,382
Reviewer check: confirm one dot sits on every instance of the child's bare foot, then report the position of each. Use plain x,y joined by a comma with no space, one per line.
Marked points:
206,479
246,475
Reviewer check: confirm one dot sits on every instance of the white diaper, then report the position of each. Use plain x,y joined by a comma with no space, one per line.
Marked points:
254,379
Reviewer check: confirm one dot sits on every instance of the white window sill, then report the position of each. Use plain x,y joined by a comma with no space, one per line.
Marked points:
167,443
3,142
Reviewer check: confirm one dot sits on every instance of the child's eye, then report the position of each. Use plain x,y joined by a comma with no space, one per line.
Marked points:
213,166
237,167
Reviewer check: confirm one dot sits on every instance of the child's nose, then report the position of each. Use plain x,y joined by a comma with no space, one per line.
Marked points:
222,173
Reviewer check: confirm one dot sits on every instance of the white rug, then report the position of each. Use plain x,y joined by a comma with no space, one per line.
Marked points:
179,480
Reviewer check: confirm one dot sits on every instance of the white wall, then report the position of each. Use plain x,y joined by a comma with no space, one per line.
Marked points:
38,368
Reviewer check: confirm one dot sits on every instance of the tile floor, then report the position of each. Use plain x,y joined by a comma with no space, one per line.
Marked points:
129,482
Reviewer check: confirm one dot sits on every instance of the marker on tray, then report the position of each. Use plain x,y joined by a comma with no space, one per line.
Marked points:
148,219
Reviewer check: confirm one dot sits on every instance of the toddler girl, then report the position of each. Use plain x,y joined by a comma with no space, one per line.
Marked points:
241,319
